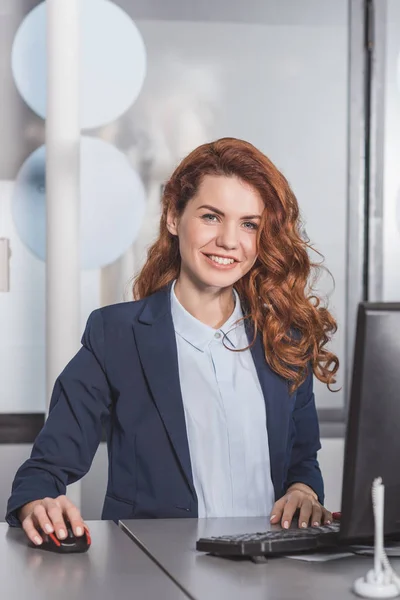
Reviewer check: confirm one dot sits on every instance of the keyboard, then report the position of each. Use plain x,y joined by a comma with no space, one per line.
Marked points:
280,541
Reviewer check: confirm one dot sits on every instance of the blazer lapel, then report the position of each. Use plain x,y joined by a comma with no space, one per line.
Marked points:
155,337
277,404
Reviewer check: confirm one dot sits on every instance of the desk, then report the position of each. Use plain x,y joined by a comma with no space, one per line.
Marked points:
172,542
113,567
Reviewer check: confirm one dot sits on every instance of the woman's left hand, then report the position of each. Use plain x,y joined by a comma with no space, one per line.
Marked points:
300,497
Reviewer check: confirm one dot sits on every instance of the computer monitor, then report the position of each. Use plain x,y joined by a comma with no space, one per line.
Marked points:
372,446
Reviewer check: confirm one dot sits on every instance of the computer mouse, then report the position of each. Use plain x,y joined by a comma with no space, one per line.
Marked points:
71,543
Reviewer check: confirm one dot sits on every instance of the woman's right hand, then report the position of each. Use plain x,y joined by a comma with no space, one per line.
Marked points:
49,515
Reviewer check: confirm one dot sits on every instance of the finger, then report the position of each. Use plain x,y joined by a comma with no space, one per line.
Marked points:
42,518
292,504
305,512
316,514
74,517
277,510
54,511
31,531
327,517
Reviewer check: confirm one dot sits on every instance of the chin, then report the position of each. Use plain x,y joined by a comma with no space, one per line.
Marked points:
218,280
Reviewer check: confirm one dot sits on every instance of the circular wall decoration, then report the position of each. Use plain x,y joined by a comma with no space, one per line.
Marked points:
112,62
113,203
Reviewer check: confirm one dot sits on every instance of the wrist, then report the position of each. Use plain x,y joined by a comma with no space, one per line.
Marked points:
26,509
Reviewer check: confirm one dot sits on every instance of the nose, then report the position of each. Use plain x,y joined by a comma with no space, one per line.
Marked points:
228,236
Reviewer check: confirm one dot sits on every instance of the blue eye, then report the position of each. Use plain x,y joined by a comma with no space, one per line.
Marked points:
209,217
250,225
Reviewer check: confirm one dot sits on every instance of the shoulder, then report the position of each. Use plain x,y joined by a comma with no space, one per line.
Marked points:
108,319
122,312
115,316
110,326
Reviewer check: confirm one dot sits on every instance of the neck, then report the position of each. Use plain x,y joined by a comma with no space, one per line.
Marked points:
212,306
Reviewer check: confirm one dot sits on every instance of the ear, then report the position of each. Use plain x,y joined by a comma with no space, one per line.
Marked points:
172,223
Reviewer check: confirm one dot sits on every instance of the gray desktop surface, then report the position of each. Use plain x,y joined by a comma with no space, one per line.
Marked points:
113,567
172,542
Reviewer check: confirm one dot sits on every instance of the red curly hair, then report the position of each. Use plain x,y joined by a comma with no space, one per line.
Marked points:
276,292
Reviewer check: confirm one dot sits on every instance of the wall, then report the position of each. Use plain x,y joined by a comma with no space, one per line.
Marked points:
261,80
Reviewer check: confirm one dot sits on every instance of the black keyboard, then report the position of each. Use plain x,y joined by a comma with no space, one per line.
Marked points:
280,541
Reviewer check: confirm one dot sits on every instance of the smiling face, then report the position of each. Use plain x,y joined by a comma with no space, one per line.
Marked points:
218,231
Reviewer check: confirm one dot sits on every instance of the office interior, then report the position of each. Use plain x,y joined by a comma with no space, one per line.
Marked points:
314,84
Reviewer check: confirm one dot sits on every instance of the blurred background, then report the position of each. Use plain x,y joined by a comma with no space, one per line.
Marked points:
314,84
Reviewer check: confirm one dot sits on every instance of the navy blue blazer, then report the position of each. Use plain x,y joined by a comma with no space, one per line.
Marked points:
125,377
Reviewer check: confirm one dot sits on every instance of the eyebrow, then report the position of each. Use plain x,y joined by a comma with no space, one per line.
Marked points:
219,212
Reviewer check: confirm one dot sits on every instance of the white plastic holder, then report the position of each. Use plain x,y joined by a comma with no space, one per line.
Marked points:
381,581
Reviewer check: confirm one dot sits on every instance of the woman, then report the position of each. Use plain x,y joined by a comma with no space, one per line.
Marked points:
205,382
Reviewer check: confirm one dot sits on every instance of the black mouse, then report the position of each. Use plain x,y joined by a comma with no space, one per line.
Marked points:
70,544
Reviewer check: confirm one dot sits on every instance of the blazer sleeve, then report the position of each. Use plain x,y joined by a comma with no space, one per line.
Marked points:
65,447
303,466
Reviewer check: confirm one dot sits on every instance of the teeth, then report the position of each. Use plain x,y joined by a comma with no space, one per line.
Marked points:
222,261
